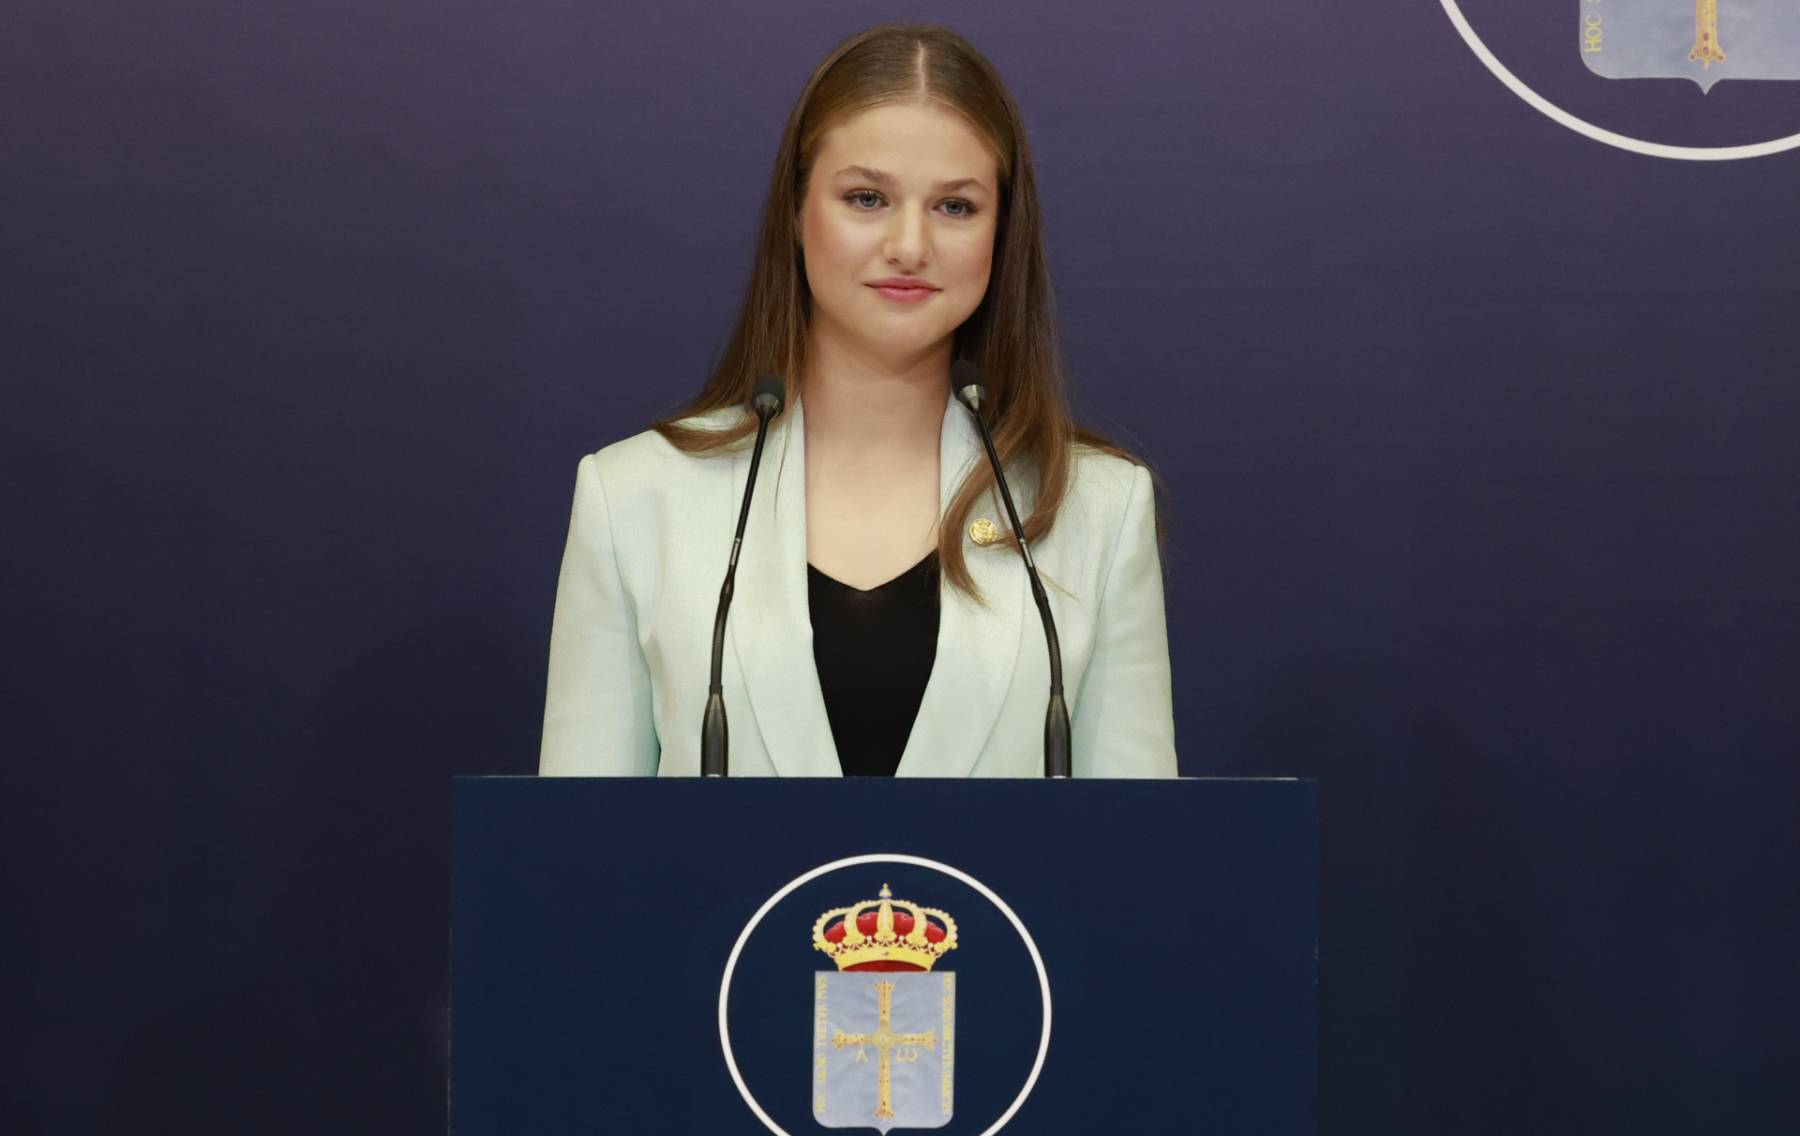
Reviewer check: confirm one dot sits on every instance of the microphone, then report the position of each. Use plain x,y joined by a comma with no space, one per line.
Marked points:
971,391
767,399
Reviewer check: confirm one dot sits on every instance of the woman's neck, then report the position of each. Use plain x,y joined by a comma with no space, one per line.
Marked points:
863,407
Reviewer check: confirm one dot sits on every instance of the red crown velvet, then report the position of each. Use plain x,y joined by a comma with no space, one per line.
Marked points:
890,935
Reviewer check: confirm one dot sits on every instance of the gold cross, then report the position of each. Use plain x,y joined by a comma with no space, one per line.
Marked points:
886,1041
1706,34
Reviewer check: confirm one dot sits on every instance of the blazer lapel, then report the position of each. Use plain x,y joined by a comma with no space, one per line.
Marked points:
771,624
977,647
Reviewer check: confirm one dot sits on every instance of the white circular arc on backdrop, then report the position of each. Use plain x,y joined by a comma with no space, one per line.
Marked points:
1582,126
1037,960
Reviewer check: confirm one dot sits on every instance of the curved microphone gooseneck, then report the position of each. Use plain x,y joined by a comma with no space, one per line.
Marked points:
971,390
767,398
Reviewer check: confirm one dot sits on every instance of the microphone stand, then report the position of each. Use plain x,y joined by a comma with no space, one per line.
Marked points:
715,740
1056,715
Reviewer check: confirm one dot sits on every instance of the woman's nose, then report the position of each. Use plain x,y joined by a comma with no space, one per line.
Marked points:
908,238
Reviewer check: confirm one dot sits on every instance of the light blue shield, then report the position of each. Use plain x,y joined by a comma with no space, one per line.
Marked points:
884,1047
1702,40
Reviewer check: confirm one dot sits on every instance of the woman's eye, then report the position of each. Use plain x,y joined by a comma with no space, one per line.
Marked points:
866,199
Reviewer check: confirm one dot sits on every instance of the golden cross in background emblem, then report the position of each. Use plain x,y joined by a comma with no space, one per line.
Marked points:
1706,34
886,1041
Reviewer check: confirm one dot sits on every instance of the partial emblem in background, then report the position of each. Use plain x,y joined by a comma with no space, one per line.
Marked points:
883,1022
1702,40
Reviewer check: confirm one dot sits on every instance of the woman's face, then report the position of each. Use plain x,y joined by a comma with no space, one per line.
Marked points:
898,191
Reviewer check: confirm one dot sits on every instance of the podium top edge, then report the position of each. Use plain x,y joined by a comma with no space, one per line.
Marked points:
471,777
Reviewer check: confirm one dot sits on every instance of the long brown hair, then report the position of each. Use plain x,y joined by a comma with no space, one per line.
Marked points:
1011,336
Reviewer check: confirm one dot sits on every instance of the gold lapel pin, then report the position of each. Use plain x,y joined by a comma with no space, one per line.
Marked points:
983,531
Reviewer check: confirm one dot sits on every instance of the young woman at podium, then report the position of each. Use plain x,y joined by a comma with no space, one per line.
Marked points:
882,622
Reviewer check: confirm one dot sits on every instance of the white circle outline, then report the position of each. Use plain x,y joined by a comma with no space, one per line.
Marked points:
1582,126
1037,960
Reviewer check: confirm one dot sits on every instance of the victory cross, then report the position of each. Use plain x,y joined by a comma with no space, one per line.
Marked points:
1706,47
883,1023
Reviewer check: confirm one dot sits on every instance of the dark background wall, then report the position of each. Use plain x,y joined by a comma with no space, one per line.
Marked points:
1480,439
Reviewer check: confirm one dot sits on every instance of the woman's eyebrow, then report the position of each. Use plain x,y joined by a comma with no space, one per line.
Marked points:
880,178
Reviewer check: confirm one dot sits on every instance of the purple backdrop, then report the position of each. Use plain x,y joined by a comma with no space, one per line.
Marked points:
1480,436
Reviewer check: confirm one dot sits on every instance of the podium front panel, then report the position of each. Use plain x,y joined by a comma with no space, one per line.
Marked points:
1167,928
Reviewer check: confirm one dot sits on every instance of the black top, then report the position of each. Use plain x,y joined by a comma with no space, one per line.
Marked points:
874,651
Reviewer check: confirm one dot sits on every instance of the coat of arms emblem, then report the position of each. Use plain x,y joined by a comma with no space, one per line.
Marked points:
884,1021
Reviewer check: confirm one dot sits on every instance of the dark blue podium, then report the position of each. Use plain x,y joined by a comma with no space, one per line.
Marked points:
655,956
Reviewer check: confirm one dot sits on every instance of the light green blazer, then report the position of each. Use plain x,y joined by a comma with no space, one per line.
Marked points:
649,537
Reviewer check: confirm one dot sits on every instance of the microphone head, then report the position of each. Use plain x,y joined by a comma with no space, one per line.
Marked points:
768,396
967,382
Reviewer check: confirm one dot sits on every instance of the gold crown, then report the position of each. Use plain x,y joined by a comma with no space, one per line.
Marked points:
861,937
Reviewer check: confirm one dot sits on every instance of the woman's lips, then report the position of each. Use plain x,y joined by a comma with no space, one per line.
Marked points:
905,295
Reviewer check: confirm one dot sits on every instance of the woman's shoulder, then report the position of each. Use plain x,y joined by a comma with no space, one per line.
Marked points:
1104,492
1101,477
653,448
649,460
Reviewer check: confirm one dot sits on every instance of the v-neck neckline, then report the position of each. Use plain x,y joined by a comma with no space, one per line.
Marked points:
930,557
